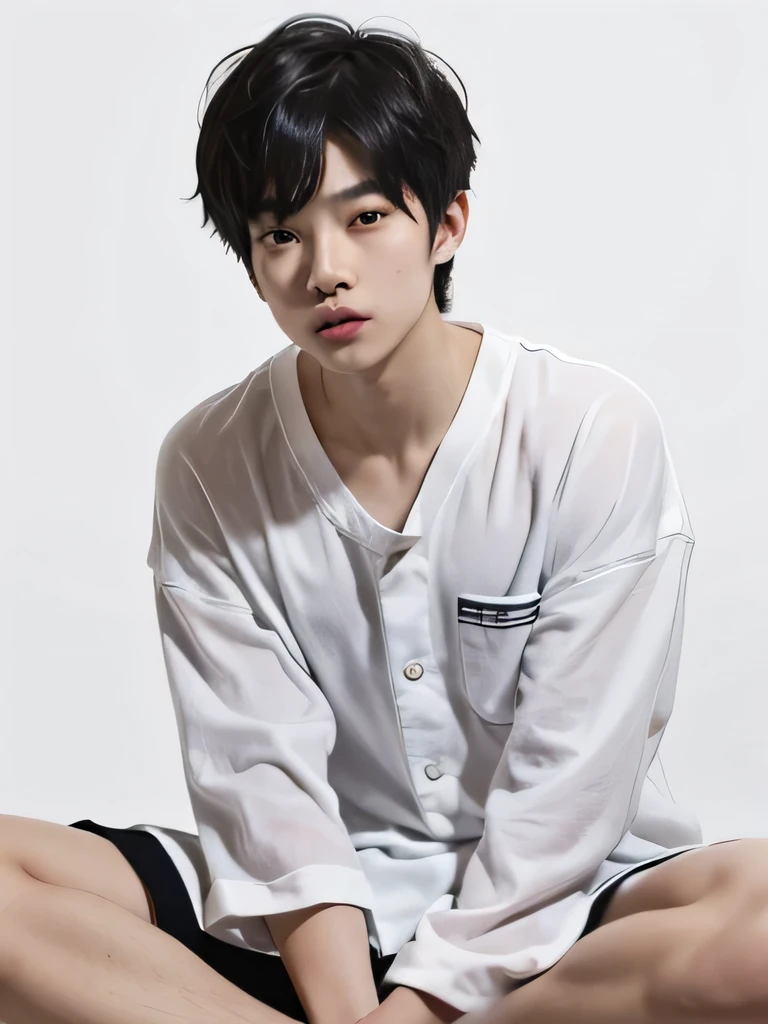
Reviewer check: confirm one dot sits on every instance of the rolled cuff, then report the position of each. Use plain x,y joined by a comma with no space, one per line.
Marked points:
464,980
237,904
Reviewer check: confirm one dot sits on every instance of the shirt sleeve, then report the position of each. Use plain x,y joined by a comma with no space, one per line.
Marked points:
596,689
255,730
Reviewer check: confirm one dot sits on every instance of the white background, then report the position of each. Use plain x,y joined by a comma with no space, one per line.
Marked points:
619,213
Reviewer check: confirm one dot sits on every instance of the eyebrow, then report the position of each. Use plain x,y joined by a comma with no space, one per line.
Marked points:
362,188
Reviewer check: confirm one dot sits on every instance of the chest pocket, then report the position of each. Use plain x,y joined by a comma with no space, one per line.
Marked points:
492,634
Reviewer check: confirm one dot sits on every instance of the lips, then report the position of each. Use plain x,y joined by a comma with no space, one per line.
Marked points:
344,331
335,323
338,315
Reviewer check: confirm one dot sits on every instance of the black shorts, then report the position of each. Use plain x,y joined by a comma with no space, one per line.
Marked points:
261,975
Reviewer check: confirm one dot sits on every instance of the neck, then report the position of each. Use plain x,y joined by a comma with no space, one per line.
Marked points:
404,402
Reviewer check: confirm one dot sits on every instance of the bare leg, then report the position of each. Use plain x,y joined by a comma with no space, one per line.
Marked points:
626,971
72,957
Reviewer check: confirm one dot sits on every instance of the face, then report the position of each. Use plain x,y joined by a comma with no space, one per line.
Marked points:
360,252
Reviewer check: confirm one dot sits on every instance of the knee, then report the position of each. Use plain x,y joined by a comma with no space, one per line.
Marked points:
12,832
721,970
14,884
13,878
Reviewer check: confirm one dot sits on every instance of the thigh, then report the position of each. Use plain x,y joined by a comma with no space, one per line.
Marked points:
647,887
261,975
60,855
680,881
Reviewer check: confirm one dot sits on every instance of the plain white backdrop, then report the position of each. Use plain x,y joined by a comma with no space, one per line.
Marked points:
618,212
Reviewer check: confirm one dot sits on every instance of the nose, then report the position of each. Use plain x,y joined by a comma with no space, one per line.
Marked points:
329,268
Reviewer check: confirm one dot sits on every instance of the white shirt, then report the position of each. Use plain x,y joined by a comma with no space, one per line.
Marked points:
455,727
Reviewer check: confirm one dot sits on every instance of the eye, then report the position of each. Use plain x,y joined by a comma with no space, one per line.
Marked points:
281,231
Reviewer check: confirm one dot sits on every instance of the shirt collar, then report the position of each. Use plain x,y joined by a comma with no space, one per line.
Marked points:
487,386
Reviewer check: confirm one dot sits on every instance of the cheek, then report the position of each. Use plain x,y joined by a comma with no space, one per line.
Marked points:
405,260
271,270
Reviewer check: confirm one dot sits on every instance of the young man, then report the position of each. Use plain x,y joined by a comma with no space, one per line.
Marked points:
420,587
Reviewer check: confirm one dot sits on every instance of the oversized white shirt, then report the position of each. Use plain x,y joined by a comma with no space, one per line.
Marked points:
454,727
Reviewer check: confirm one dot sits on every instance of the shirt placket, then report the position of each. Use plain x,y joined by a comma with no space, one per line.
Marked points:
422,704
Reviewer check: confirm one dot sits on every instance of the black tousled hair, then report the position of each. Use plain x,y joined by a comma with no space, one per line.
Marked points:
315,77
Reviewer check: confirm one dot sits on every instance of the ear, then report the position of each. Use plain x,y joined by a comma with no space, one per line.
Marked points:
450,233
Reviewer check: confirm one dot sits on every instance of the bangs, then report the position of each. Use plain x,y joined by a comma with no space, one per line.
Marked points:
288,168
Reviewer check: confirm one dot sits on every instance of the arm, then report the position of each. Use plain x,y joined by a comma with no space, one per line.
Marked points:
333,989
596,689
255,734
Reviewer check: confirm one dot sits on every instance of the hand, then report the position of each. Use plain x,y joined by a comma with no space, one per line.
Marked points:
409,1006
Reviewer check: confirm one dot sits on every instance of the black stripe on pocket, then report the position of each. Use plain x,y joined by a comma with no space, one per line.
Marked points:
501,613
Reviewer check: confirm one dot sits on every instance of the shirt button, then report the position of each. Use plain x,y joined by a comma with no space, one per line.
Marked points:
413,670
432,772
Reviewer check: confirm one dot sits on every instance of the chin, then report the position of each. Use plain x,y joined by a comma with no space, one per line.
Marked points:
351,356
